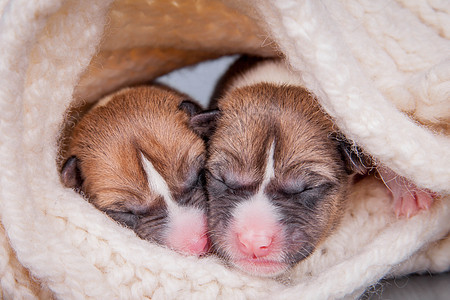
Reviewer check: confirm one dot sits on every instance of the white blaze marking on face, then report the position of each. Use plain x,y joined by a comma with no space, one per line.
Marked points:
260,199
269,172
186,225
157,184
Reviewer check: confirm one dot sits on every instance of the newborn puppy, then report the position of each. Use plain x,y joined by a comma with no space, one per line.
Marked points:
136,158
277,172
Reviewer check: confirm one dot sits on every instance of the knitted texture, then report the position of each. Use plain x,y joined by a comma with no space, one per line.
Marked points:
365,60
326,42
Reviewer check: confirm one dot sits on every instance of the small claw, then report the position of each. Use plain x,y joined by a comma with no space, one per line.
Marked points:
425,199
406,206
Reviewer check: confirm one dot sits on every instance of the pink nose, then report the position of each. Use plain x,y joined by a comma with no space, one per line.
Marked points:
256,244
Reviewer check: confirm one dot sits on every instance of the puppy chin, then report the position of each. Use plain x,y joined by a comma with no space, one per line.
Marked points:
260,267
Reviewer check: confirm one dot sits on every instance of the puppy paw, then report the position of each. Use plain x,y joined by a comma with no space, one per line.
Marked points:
410,202
408,198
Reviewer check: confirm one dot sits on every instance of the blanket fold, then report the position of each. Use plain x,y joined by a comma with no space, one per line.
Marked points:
380,69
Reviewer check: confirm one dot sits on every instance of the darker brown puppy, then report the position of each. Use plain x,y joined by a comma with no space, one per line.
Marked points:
277,173
135,157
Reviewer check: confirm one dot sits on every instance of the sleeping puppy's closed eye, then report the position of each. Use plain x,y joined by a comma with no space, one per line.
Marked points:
137,158
277,176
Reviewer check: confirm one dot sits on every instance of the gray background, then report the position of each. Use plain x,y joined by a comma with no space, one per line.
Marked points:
198,81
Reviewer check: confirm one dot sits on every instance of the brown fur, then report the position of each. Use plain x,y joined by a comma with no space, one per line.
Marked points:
107,143
306,154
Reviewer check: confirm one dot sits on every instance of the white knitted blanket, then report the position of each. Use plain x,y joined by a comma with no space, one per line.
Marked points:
365,60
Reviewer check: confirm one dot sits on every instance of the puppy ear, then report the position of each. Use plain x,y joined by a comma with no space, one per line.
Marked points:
204,124
354,158
71,174
190,108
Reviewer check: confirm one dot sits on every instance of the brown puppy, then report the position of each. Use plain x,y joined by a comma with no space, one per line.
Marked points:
277,173
135,157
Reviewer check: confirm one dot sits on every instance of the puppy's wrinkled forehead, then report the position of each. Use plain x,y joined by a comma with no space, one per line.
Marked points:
124,142
255,117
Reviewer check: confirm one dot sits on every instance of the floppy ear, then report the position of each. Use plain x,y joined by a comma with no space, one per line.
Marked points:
204,123
354,158
71,174
190,108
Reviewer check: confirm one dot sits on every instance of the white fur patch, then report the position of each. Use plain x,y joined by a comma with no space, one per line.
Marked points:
157,184
269,173
260,199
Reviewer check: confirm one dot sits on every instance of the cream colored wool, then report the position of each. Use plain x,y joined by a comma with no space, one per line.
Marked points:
364,59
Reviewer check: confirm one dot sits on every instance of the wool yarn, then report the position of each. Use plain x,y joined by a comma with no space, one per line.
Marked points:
379,68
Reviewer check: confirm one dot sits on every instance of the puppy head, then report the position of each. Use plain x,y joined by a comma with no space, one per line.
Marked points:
137,159
276,180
